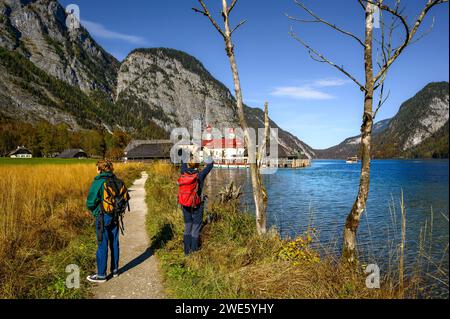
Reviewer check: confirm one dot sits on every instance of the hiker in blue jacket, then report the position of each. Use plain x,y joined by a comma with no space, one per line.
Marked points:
193,216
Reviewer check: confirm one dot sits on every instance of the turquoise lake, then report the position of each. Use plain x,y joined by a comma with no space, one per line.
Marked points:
322,196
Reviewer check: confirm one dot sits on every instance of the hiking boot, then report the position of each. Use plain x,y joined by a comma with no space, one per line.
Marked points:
115,274
96,279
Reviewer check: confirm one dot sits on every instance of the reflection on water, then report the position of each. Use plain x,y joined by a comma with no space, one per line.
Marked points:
323,194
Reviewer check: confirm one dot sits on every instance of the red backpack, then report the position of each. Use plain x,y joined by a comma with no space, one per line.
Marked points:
188,190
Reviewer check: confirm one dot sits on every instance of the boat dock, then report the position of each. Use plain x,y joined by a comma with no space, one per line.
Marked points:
282,163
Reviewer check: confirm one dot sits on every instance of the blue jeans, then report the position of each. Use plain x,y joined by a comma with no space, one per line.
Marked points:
193,221
111,237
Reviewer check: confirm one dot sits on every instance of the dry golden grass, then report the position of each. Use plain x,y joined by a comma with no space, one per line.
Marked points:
162,169
43,210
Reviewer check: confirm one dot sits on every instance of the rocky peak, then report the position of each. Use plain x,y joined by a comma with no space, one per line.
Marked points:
177,85
37,29
421,116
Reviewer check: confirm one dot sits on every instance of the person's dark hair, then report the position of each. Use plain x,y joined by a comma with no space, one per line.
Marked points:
193,163
105,166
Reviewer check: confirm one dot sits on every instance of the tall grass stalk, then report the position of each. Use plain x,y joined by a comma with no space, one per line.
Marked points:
401,268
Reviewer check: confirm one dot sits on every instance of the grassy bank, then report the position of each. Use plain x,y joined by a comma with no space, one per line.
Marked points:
236,263
46,227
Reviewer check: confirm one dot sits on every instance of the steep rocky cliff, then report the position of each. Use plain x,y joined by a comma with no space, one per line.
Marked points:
176,88
37,29
48,72
418,119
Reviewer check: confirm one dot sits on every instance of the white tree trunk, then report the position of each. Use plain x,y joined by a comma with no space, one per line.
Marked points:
259,194
349,251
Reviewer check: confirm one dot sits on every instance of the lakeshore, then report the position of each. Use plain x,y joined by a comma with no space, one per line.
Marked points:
321,197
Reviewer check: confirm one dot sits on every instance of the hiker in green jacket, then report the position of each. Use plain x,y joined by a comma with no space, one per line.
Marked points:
106,228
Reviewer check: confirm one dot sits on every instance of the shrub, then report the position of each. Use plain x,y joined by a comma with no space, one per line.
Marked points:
299,250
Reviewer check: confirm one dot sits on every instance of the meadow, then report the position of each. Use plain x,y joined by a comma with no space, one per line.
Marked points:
45,225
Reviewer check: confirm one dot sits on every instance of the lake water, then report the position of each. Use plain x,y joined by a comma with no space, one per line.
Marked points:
323,194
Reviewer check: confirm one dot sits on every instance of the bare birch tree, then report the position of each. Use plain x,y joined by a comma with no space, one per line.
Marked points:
259,192
373,81
263,151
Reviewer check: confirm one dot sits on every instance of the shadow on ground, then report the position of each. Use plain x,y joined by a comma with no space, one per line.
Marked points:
164,235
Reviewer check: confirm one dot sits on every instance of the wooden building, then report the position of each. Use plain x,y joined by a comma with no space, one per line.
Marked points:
21,152
148,150
73,153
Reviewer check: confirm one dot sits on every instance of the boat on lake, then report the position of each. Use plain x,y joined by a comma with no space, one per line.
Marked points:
352,160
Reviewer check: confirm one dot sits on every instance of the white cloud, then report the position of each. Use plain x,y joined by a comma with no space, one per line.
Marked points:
101,31
310,91
328,82
302,93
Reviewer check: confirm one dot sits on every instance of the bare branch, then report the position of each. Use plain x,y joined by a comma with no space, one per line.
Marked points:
383,40
200,11
381,100
409,33
386,40
320,20
362,5
386,49
206,13
312,56
230,8
423,35
300,20
320,58
238,26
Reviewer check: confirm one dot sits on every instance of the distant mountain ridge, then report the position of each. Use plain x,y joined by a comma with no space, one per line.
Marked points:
48,72
350,146
418,119
419,130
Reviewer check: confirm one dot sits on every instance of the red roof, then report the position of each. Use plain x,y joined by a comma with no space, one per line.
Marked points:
223,143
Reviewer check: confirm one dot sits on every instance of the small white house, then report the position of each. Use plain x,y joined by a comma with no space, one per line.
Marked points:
21,152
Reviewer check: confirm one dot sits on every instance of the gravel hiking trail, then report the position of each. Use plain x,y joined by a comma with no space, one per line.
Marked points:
139,275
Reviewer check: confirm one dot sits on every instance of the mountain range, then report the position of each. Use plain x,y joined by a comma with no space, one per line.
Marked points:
419,130
60,75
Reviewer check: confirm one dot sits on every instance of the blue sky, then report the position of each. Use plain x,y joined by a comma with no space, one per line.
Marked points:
312,100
